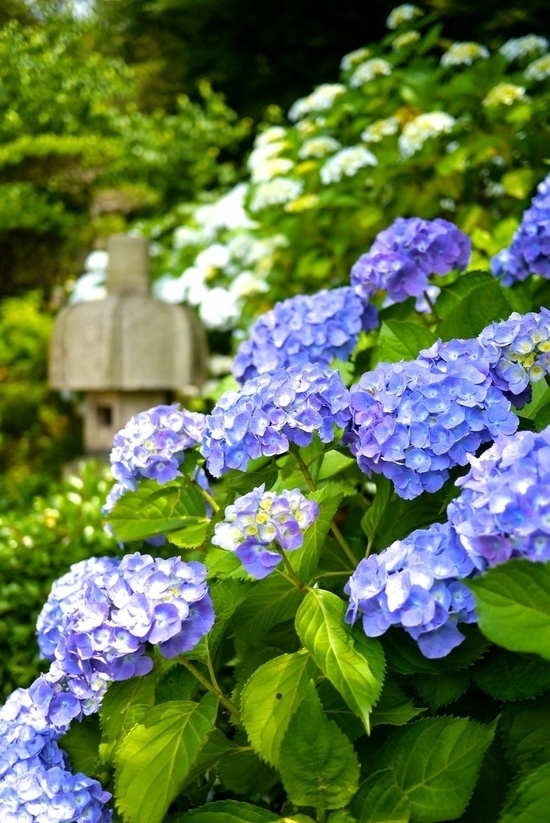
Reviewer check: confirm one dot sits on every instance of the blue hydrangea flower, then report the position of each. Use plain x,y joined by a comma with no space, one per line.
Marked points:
415,584
403,256
519,349
37,784
271,411
503,510
314,328
257,520
152,444
529,251
105,631
413,421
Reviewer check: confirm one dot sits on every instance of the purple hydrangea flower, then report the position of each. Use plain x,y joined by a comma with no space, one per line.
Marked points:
503,510
105,631
415,584
271,411
529,251
37,784
258,519
519,349
413,421
403,256
316,328
151,445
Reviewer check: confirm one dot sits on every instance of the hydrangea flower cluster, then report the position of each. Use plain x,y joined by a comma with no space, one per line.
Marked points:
403,256
503,510
346,163
260,518
103,634
413,421
314,328
518,47
529,251
422,128
464,54
151,445
415,584
271,411
519,348
37,785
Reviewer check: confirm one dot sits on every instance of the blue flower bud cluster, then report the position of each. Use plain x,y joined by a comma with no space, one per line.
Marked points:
316,328
529,251
151,445
503,510
271,411
103,634
519,349
415,584
36,783
403,256
413,421
257,520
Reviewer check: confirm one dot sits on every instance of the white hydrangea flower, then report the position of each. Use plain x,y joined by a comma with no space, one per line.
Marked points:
346,162
320,99
189,287
274,167
261,153
504,94
464,54
227,212
539,69
275,192
405,39
318,147
366,72
215,256
219,309
90,286
518,47
402,14
187,236
354,57
247,283
417,131
270,135
97,261
380,129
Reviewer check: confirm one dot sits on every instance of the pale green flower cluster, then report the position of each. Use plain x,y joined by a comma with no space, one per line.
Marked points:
464,54
405,39
346,163
364,73
319,100
504,94
403,14
380,129
318,147
518,47
539,69
417,131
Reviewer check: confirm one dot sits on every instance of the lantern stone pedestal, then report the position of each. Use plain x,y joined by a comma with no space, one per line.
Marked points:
128,352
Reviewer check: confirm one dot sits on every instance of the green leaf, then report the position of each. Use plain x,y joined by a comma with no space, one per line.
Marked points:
402,340
518,183
380,800
317,763
436,762
508,676
352,662
404,656
527,801
224,564
513,605
122,697
526,733
438,690
154,759
242,772
191,536
272,600
230,811
154,509
176,684
400,517
394,706
475,311
271,697
304,561
373,516
81,743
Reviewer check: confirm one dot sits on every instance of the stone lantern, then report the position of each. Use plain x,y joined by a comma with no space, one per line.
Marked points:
128,352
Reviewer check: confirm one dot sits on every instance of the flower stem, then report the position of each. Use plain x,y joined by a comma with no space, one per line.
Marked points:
215,689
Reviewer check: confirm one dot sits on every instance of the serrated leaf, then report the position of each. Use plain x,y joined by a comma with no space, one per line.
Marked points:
81,743
380,800
317,762
153,510
229,811
336,708
191,536
404,656
402,340
270,698
452,294
116,708
526,733
508,676
400,517
304,561
333,463
436,763
242,772
224,564
513,605
176,684
272,600
476,310
438,690
527,801
214,751
394,706
154,759
242,483
352,662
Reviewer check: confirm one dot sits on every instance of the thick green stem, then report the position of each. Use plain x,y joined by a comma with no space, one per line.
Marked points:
209,499
215,689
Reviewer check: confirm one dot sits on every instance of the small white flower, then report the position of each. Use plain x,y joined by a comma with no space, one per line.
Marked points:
318,147
518,47
380,129
247,283
219,309
504,94
464,54
97,261
320,99
353,58
539,69
186,236
402,14
215,256
376,67
405,39
90,286
417,131
191,286
275,192
270,135
346,162
273,167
